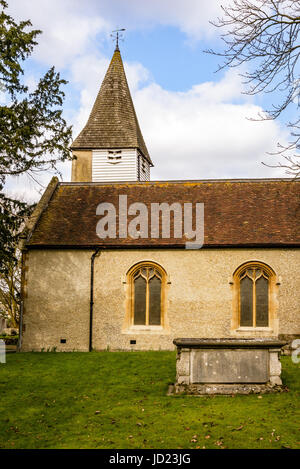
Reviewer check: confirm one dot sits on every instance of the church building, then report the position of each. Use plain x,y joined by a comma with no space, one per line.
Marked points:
115,261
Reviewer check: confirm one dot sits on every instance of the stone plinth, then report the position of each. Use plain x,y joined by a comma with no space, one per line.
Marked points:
227,366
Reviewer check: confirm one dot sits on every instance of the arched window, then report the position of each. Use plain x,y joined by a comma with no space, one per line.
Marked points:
147,281
254,281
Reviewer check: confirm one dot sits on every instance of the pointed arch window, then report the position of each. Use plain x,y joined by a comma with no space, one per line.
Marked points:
147,292
254,297
255,283
147,284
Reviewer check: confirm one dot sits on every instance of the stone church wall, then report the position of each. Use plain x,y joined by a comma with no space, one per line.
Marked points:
199,297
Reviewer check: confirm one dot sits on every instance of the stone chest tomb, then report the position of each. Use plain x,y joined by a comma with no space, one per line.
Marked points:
227,366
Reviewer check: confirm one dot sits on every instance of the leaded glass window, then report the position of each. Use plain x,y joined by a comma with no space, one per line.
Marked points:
254,297
147,294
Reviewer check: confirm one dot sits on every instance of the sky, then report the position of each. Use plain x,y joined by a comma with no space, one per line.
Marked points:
196,123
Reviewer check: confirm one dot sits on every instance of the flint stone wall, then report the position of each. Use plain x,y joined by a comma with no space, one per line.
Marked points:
199,297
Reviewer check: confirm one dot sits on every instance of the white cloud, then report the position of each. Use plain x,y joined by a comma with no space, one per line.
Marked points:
68,28
200,133
190,16
26,189
71,27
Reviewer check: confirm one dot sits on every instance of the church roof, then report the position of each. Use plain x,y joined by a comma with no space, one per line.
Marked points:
237,213
113,122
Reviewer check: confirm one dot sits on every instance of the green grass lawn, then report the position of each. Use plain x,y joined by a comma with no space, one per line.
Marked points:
118,400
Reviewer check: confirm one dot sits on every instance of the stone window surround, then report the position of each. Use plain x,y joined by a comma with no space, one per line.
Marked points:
236,330
128,326
249,331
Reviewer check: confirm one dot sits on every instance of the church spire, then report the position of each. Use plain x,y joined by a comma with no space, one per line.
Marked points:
113,123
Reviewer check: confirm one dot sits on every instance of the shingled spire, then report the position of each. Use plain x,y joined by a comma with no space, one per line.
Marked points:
113,123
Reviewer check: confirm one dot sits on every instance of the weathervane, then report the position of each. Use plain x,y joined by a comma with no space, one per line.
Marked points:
116,35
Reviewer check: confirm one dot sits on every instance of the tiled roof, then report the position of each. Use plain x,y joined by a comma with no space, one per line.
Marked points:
237,212
113,122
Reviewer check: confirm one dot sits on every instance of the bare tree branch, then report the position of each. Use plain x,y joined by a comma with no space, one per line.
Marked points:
265,35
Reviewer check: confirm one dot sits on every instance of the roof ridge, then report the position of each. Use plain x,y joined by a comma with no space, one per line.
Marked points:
181,181
38,211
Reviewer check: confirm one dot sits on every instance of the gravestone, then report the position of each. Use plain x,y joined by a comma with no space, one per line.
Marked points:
2,351
2,324
226,366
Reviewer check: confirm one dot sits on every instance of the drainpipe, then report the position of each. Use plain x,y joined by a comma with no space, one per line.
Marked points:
19,345
94,255
21,246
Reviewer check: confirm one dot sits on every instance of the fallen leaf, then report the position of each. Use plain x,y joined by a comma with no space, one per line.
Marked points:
238,429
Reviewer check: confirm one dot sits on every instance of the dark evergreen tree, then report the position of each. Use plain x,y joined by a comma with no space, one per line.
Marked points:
34,136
